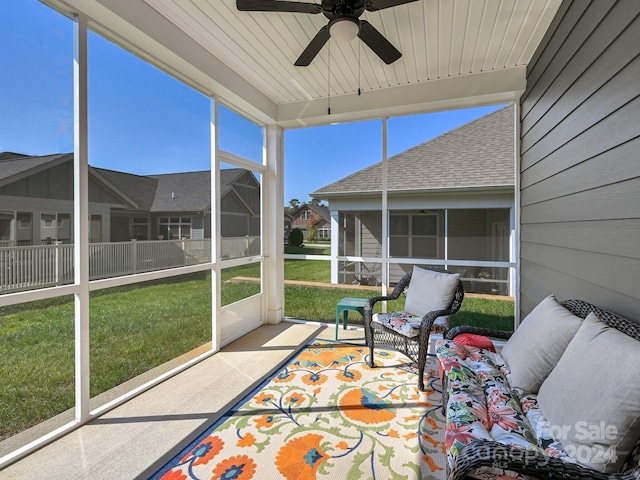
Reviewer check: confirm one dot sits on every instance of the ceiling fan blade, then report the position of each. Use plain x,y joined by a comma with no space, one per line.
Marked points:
314,47
277,6
375,5
376,42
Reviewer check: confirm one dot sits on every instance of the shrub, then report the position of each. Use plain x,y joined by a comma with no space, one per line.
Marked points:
296,238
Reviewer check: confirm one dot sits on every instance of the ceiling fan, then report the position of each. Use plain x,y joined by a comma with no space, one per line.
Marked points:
344,23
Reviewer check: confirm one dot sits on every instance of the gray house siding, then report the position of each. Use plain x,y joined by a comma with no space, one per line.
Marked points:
580,160
54,183
371,234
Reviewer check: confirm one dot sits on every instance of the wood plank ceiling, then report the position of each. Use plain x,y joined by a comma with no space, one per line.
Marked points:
438,39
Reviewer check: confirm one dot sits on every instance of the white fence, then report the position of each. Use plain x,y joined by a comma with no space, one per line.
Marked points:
26,268
236,247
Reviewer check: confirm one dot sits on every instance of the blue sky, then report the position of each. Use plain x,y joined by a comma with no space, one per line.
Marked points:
145,122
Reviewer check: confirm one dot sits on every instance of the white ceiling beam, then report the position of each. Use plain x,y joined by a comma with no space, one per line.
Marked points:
464,91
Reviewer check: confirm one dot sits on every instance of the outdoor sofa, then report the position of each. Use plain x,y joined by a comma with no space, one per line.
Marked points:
561,400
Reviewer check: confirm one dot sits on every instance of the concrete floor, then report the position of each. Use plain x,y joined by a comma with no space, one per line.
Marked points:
137,438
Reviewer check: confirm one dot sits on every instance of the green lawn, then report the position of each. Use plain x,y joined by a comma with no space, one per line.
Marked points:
132,329
138,327
309,249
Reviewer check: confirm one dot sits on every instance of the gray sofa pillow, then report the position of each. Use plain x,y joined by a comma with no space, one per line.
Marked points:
538,343
592,398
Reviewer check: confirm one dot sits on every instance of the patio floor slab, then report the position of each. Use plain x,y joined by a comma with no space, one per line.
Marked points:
132,440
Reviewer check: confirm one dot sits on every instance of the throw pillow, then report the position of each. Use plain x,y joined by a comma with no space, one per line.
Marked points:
538,343
429,291
592,398
478,341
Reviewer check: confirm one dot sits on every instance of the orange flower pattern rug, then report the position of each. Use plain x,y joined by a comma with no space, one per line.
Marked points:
326,415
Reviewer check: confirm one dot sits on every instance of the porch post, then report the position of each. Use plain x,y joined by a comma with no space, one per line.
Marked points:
385,210
335,243
216,295
81,220
513,252
273,224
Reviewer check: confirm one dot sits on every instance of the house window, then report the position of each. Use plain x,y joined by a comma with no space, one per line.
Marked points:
414,235
64,228
175,228
141,228
55,227
306,215
24,235
24,220
47,220
323,232
6,218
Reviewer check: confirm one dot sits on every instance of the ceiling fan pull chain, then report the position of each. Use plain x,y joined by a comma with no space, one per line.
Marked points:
329,79
359,68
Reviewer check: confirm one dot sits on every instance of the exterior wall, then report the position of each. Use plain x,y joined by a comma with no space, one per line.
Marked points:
120,229
580,169
234,225
197,228
371,234
38,206
468,235
51,192
471,236
54,183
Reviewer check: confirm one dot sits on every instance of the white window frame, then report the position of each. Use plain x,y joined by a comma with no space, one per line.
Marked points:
410,235
54,222
182,222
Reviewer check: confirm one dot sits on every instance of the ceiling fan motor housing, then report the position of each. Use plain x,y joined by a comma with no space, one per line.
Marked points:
333,9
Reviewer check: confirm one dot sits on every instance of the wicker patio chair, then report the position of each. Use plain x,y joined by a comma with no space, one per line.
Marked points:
483,453
378,335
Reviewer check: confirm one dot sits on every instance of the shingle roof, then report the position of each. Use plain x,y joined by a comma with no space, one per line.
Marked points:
12,164
140,188
478,154
11,155
321,210
173,192
227,177
182,192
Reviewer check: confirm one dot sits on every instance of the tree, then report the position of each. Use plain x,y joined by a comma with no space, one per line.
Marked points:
293,204
316,202
296,237
311,225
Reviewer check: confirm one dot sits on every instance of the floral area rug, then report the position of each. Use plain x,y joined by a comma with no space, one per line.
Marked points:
326,415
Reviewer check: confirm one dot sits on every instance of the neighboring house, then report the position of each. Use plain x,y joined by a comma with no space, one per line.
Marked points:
450,199
36,203
313,220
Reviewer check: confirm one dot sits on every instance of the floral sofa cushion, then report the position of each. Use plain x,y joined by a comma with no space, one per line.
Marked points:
482,405
408,324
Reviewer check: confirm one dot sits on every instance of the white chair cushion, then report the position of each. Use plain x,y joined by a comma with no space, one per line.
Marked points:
407,324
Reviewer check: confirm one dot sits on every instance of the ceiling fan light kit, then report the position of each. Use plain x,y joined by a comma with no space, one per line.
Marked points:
344,29
344,23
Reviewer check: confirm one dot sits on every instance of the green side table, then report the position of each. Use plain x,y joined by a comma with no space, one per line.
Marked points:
346,304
